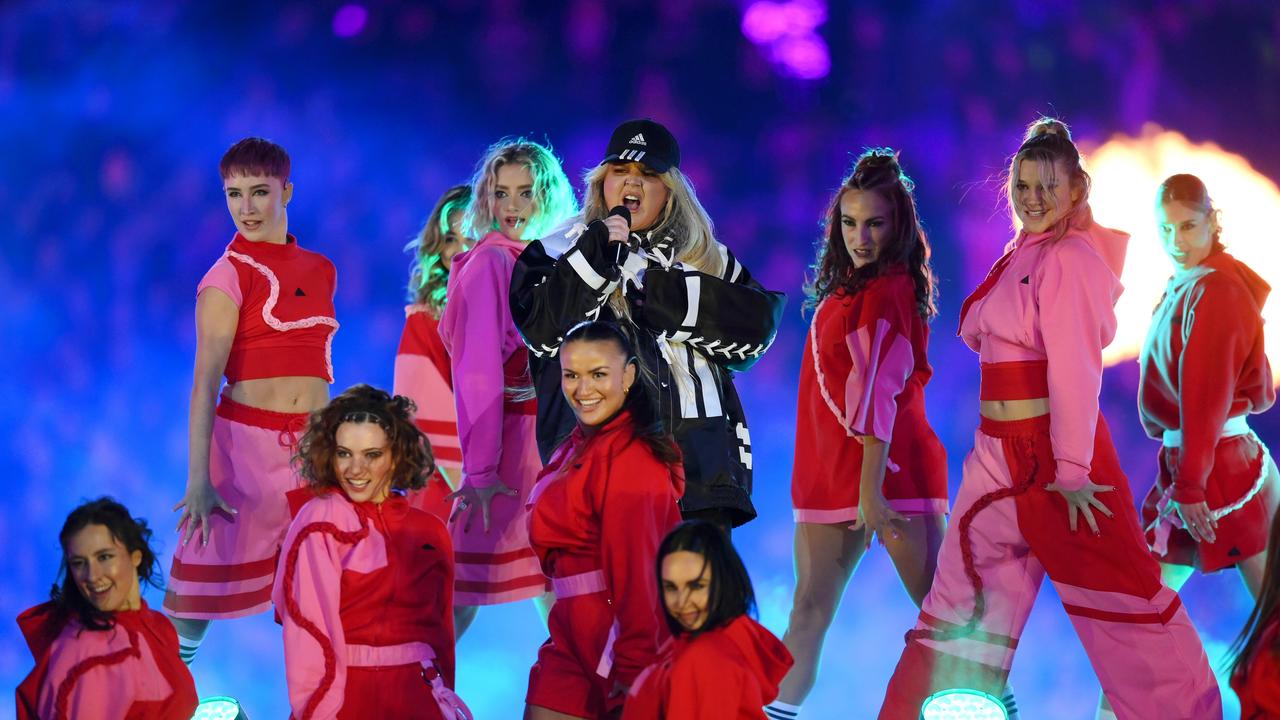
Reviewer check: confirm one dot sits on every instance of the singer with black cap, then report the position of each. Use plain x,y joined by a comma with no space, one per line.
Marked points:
644,255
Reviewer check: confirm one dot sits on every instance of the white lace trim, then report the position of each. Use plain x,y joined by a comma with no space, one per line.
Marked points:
275,323
817,369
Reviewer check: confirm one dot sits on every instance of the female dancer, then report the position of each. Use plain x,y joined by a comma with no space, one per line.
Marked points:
100,650
1216,490
422,365
365,588
596,518
697,314
519,190
264,318
1212,502
721,664
1039,322
862,406
1255,669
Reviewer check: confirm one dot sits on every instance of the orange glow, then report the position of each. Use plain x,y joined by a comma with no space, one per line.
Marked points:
1126,174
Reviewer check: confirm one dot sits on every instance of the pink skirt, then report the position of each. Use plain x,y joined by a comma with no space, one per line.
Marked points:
499,566
249,466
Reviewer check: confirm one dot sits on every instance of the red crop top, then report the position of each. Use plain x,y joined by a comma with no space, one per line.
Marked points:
285,296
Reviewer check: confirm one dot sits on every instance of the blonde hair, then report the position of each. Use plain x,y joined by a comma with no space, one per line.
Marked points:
1047,141
683,219
428,276
553,200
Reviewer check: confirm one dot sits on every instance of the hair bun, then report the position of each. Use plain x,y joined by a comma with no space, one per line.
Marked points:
879,165
1047,126
880,157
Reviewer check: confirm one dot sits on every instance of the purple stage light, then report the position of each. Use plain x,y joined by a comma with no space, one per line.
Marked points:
786,31
768,22
803,56
350,20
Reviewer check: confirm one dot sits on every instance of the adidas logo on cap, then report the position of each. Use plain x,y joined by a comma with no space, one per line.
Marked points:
637,140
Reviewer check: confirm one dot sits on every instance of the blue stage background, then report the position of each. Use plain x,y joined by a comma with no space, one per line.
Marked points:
113,117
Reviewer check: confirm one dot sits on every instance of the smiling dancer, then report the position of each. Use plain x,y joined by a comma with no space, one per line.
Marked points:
365,588
100,651
1043,491
697,314
518,192
596,518
720,663
265,320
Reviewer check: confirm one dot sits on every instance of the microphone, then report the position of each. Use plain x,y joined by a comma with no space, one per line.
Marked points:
623,248
622,212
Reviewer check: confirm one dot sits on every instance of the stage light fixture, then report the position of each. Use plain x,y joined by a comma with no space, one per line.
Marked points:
962,704
219,708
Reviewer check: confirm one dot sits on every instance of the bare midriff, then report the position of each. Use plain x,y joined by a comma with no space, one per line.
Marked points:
292,394
1011,410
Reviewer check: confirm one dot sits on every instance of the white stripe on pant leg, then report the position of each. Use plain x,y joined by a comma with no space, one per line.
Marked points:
977,651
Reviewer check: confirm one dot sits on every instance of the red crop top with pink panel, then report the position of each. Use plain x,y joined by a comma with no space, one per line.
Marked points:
285,296
1051,300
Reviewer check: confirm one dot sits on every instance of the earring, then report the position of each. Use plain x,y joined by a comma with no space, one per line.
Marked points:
626,390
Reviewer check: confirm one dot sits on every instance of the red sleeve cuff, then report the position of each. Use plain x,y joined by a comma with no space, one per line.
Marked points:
1188,494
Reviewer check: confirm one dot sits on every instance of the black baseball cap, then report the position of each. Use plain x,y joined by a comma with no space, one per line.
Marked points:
644,141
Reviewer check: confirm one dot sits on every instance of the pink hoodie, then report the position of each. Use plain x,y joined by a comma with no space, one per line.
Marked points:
480,336
1055,301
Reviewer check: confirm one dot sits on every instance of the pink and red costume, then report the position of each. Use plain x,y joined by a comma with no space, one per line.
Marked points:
488,359
1204,370
285,328
864,371
727,673
130,670
1039,323
365,594
422,374
596,519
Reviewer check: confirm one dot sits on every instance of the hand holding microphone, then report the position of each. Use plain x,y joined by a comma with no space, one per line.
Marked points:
619,223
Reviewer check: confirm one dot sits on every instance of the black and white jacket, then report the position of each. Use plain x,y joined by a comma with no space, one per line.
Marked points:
693,330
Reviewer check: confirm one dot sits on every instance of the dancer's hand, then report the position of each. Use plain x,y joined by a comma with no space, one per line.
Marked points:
1197,519
469,497
619,230
876,517
197,505
1083,502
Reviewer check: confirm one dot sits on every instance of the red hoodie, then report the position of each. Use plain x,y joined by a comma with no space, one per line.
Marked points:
1208,330
728,673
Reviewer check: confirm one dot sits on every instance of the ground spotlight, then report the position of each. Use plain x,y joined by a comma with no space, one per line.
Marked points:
219,708
962,704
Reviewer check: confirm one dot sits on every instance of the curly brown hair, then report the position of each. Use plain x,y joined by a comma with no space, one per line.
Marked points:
411,460
877,170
